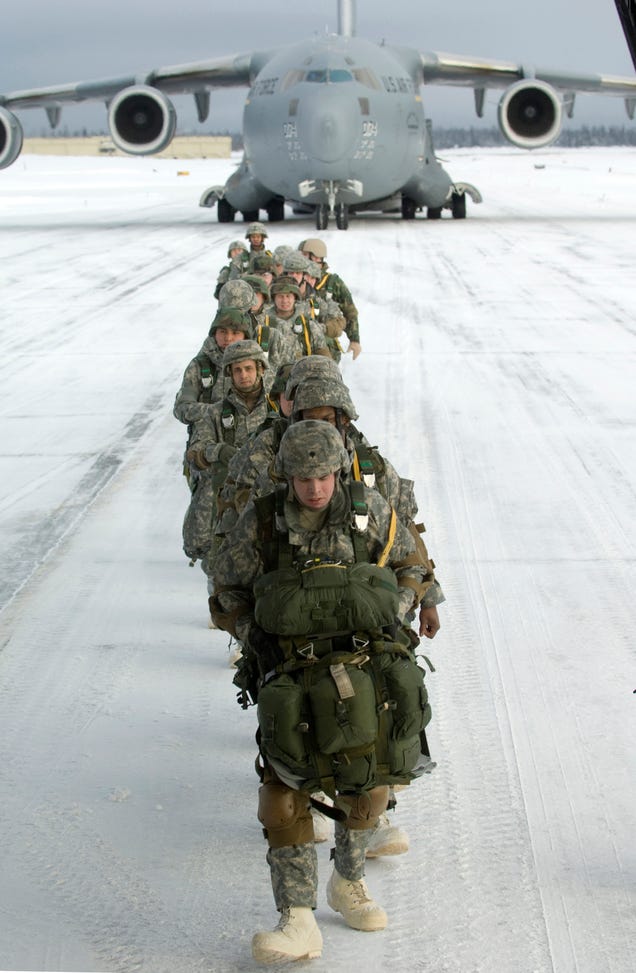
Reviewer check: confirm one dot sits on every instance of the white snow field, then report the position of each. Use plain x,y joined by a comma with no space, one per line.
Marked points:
498,371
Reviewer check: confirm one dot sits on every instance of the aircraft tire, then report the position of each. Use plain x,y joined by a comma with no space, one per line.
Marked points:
225,211
322,217
458,203
250,215
276,210
434,213
342,216
408,208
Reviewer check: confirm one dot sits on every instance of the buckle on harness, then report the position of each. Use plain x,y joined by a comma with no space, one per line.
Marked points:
307,651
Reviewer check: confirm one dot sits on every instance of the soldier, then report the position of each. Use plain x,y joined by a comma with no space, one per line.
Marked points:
263,265
256,233
239,259
256,454
333,286
303,336
215,439
328,310
203,378
317,580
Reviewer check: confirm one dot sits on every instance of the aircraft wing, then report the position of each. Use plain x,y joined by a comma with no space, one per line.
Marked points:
233,70
456,69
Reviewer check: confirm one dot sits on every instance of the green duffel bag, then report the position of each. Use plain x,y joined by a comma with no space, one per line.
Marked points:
326,598
283,723
343,709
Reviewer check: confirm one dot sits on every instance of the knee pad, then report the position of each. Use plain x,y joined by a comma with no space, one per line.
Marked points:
280,807
366,807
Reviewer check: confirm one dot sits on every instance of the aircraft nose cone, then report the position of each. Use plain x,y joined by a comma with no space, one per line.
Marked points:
332,130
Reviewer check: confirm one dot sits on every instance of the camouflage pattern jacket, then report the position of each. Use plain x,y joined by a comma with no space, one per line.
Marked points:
299,338
197,391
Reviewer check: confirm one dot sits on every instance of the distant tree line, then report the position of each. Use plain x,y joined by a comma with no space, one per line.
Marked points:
444,138
449,138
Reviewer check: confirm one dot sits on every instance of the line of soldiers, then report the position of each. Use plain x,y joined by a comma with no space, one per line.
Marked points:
317,568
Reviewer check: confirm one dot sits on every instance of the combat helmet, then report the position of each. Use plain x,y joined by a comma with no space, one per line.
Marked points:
263,263
285,285
232,318
294,262
311,367
311,449
325,392
316,247
313,269
246,350
237,293
256,228
281,252
258,285
236,245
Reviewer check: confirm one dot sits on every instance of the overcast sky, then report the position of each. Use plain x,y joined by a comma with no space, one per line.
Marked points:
48,43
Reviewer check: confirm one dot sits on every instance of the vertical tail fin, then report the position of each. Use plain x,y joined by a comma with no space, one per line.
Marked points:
347,18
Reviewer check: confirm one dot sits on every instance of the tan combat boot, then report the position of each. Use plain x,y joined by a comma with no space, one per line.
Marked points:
386,839
296,936
352,900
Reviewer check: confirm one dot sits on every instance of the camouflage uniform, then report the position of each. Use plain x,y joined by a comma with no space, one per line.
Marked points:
215,438
236,268
203,380
311,448
256,251
301,335
331,286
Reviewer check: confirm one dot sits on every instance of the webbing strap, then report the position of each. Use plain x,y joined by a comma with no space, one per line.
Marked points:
389,544
306,336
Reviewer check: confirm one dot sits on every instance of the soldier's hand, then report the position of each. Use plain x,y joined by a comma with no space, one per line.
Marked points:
355,348
226,453
429,622
197,458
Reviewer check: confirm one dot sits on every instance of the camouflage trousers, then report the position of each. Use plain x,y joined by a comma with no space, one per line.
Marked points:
294,868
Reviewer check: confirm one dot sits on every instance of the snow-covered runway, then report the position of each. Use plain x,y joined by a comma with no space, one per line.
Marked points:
498,372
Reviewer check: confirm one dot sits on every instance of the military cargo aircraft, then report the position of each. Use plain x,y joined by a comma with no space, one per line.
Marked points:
333,125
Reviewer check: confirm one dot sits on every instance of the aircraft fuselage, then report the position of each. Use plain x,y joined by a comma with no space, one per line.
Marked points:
339,120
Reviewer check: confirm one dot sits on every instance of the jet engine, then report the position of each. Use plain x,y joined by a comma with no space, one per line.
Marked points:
141,120
530,114
10,138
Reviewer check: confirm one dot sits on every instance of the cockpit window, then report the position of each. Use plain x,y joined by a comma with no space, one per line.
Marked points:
291,78
367,78
328,76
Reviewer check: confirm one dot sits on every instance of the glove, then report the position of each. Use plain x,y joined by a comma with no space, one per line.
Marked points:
226,453
197,458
